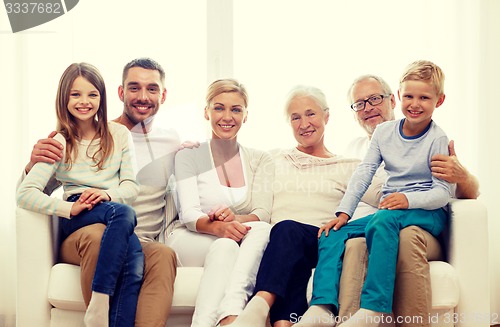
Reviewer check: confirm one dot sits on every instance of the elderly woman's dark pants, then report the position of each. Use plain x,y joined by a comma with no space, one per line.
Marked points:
286,267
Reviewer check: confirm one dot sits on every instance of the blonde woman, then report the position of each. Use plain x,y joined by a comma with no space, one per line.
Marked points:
225,199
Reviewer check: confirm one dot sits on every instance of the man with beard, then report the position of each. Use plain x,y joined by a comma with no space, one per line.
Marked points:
142,92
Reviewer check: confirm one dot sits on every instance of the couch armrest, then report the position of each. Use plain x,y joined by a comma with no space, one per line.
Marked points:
468,254
35,258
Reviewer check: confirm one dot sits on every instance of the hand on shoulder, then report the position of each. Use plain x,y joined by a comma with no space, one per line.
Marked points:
449,168
48,150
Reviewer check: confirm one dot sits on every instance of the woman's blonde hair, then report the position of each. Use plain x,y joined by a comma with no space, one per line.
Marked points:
66,123
226,85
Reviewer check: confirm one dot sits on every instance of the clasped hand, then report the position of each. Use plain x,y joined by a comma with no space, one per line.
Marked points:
89,198
230,227
222,213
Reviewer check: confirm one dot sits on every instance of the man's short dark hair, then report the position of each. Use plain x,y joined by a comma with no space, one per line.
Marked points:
146,63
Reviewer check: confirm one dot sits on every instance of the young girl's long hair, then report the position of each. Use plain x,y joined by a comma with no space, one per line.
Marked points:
66,123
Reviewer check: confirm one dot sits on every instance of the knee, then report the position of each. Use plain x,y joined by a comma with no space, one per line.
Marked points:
259,225
382,220
90,239
159,256
224,245
136,266
166,255
412,241
355,260
125,214
284,229
412,234
284,225
260,228
223,248
82,246
356,248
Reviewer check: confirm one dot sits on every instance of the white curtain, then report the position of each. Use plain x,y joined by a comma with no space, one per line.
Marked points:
9,100
272,46
487,110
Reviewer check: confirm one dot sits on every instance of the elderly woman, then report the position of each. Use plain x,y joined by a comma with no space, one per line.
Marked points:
309,183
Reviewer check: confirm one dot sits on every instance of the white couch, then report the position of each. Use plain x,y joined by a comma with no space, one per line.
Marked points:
48,293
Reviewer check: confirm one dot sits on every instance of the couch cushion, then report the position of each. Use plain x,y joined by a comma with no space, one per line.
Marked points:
65,292
64,287
444,285
186,287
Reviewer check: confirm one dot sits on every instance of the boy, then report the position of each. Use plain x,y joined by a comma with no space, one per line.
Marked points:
405,146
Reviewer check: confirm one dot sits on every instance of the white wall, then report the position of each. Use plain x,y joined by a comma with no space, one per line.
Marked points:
7,228
269,46
487,108
108,35
281,43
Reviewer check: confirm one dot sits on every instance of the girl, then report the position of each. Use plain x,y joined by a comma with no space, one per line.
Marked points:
225,196
97,175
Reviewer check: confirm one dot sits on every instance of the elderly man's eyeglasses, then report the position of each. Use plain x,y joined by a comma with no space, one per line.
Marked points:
373,100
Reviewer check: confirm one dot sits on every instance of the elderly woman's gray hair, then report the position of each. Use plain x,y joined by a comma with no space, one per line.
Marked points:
306,91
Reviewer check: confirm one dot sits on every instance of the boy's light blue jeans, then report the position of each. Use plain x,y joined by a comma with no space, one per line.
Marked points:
382,239
120,266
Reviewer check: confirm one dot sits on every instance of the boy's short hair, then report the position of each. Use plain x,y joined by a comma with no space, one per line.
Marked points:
424,70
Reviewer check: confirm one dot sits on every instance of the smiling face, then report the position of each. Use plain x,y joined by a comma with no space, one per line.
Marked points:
226,113
142,94
308,122
418,101
84,99
371,116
